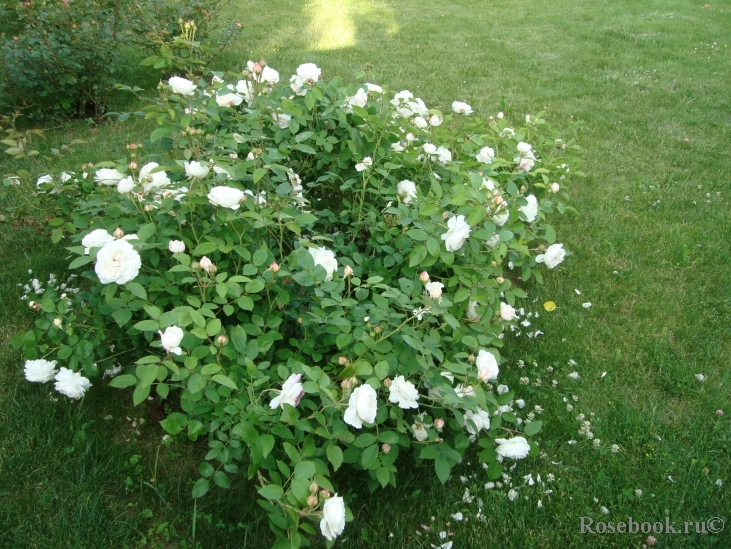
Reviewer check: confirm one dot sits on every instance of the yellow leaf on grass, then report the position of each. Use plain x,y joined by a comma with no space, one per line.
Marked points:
550,306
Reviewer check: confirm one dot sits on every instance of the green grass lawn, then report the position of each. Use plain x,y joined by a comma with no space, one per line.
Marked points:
650,250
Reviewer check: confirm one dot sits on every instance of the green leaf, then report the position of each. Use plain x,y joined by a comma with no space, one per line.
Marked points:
461,295
441,466
418,235
370,457
136,289
335,456
266,443
140,394
383,476
145,232
304,470
494,470
343,339
122,316
79,261
213,327
271,491
174,423
225,381
147,326
259,257
366,439
258,174
200,488
238,338
206,469
389,437
123,381
205,248
221,480
533,427
381,369
417,255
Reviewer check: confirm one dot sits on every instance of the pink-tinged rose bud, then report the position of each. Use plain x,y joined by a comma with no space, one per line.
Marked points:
377,329
386,448
118,233
424,276
324,494
345,384
213,269
719,413
348,271
16,39
57,322
274,267
498,200
206,263
133,165
343,361
555,187
471,358
257,68
500,280
148,207
439,424
132,146
387,382
222,340
312,501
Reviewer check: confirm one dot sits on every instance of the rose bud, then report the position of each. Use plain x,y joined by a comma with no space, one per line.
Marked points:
386,448
206,263
500,280
387,382
439,424
148,207
348,271
57,322
343,361
133,165
118,233
345,384
312,501
555,187
424,276
314,488
719,413
324,494
274,267
471,358
222,340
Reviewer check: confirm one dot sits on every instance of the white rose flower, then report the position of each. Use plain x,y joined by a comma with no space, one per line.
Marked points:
530,210
397,147
513,448
226,197
97,238
71,384
487,367
420,432
465,390
176,246
429,148
282,120
507,312
435,120
457,233
307,73
333,517
171,339
476,422
553,256
259,199
229,100
434,289
359,100
461,108
196,169
117,262
407,189
525,149
526,164
403,393
444,155
405,104
291,393
108,176
555,187
420,123
326,259
183,86
362,406
485,155
493,241
268,75
502,389
420,108
40,371
373,88
367,163
44,179
501,219
245,89
153,181
125,185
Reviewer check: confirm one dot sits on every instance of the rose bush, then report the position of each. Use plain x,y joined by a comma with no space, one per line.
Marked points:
316,280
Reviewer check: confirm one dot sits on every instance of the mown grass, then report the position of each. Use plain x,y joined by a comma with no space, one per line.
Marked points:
650,251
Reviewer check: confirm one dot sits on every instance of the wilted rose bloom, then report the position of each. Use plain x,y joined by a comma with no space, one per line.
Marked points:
553,256
108,176
487,367
40,371
326,259
435,120
420,432
282,120
471,313
434,289
463,390
226,197
229,100
493,241
407,189
117,262
96,239
420,123
485,155
362,406
171,339
291,393
196,169
333,518
530,210
403,393
507,312
151,181
71,384
457,233
125,185
481,420
513,448
461,108
176,246
183,86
